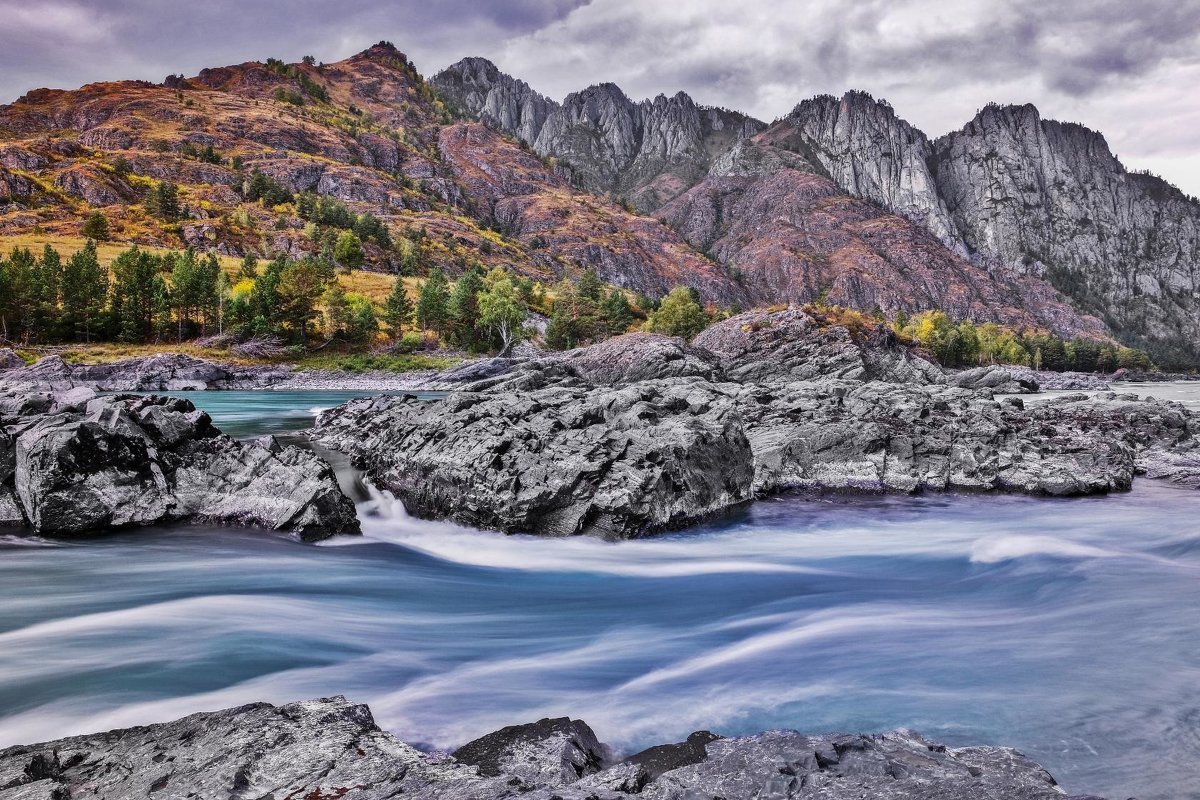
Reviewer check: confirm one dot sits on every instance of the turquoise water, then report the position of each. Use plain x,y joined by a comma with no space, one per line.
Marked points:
1067,628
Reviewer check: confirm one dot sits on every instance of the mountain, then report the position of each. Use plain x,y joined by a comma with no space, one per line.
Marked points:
1017,192
645,153
1042,207
368,132
1012,219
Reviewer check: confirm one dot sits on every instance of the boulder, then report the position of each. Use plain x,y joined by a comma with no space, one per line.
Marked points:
1000,379
78,463
164,372
558,460
549,751
792,345
9,359
332,748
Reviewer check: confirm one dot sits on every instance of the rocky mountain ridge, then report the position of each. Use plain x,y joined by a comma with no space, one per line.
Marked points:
1015,194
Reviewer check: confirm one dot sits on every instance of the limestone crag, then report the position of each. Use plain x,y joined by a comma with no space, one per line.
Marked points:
73,462
332,748
870,152
647,152
644,433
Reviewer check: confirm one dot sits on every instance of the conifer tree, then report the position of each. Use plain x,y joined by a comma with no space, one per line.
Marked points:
397,309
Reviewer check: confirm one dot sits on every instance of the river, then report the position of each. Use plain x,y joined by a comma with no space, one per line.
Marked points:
1064,627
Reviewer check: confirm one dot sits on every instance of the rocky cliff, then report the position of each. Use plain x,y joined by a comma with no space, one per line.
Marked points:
331,748
645,152
1018,193
1051,199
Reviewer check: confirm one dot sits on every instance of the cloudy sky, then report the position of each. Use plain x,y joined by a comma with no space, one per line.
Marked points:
1131,70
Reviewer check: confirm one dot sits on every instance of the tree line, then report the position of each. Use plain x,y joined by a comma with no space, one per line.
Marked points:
969,344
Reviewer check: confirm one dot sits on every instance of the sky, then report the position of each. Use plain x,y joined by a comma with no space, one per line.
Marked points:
1128,69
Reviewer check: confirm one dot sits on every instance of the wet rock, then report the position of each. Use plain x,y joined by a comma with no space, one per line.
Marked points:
78,463
558,460
549,751
332,748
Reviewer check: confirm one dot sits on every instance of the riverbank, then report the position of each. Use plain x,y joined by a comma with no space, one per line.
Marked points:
332,748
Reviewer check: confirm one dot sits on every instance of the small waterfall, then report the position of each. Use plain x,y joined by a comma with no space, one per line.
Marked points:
380,504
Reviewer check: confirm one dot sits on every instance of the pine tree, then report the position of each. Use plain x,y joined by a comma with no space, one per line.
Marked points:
249,267
590,287
433,304
44,286
617,313
337,310
300,286
84,292
397,309
96,227
464,308
139,300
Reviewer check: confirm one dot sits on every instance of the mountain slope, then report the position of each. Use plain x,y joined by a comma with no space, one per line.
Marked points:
368,132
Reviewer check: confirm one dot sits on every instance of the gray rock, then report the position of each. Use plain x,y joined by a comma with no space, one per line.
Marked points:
332,748
77,463
791,345
557,460
1000,379
590,441
9,359
166,372
549,751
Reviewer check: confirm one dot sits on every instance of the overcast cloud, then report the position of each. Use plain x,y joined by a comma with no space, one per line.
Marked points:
1131,70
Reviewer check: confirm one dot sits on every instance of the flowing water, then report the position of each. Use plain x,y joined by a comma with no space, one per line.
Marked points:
1067,628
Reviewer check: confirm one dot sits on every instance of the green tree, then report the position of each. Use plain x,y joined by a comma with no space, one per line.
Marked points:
337,310
433,303
590,287
138,302
464,308
163,202
96,227
362,324
617,313
349,250
84,293
501,312
300,286
397,309
248,269
678,315
44,286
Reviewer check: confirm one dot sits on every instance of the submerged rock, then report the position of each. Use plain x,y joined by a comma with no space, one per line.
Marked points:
332,748
75,462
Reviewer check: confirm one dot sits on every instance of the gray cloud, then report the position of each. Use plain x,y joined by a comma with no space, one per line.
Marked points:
1128,71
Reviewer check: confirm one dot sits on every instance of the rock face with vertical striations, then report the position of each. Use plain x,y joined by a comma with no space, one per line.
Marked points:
1050,198
646,152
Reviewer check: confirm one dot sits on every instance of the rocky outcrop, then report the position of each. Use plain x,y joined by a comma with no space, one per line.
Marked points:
166,372
647,152
332,748
73,462
870,152
789,234
478,89
1050,198
645,433
558,458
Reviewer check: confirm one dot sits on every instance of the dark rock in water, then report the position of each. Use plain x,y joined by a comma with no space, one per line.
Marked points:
654,761
332,748
549,751
588,442
74,462
558,460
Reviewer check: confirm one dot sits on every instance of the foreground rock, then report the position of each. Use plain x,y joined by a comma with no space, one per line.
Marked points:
644,433
331,748
73,462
